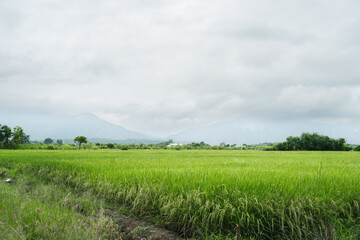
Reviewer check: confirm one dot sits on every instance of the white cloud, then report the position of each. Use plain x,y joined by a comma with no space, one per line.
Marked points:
162,66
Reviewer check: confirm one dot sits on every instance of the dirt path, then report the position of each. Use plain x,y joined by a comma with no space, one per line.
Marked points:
136,229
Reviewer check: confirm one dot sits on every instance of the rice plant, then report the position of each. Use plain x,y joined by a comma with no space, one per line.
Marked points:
204,194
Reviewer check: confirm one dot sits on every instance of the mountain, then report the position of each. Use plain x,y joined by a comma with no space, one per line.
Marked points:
238,131
249,131
41,126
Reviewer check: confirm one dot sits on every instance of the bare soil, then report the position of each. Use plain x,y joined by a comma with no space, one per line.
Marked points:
137,229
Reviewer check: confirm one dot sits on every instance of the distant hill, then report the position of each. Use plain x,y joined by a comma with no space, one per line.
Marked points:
248,131
238,131
41,126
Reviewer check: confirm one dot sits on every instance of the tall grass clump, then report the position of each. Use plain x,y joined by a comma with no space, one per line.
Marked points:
270,195
30,209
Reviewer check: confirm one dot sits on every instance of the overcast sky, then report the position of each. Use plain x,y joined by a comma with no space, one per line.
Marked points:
162,66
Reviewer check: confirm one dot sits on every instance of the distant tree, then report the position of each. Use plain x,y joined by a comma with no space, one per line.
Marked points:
348,148
48,141
280,146
293,143
19,137
312,142
59,142
124,147
166,143
110,145
195,145
5,135
340,144
357,148
1,137
50,147
80,139
144,146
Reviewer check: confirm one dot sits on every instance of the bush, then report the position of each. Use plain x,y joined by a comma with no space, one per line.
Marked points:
312,142
348,148
357,148
124,147
50,147
110,145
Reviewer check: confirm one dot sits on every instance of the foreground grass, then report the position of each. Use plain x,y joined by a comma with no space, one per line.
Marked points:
30,209
270,195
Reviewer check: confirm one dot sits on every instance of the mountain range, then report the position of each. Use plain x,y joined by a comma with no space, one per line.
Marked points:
41,126
238,131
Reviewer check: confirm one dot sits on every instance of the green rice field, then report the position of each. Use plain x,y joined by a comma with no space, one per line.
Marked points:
204,194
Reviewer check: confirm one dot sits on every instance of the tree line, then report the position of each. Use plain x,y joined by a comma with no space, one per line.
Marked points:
17,138
313,142
12,138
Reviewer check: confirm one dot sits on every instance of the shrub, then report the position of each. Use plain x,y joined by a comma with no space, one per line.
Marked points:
124,147
110,145
50,147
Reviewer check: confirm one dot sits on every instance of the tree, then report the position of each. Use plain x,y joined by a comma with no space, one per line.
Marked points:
124,147
340,144
48,141
80,139
5,135
59,142
19,137
1,135
312,142
110,145
357,148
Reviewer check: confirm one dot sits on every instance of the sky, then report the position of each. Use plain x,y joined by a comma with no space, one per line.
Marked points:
160,67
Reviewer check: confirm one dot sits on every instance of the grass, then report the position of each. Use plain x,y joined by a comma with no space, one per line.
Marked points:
271,195
31,209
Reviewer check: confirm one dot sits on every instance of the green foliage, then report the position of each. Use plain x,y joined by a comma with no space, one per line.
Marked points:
80,139
50,147
357,148
271,195
31,209
59,142
110,145
9,139
48,141
19,137
124,147
5,135
312,142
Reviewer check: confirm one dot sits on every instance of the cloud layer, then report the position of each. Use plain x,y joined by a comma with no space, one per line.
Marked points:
163,66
